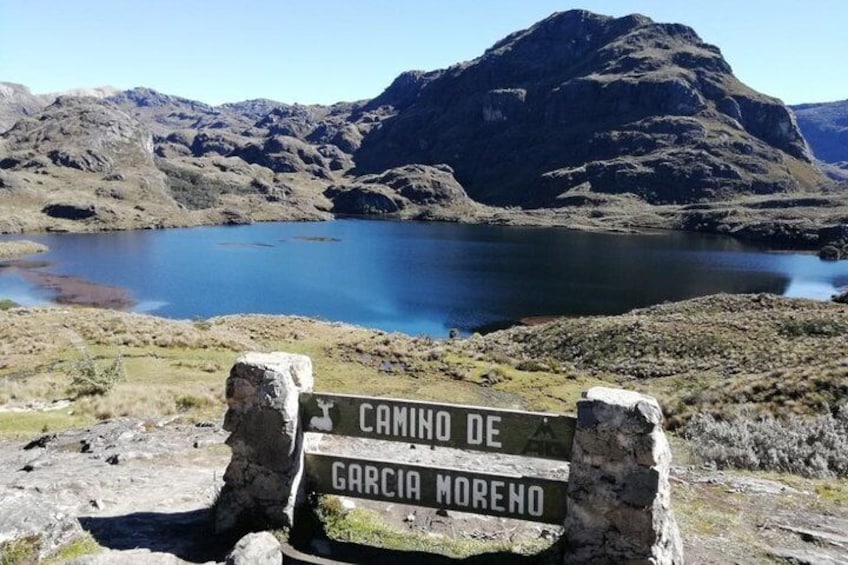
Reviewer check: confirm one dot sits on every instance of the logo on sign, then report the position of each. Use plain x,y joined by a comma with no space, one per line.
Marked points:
544,442
323,423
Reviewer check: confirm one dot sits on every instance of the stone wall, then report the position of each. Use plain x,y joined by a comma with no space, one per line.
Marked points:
618,493
262,479
618,501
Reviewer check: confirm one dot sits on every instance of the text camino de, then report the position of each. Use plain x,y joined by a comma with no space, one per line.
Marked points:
427,424
452,489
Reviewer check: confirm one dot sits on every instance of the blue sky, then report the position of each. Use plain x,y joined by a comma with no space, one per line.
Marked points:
322,51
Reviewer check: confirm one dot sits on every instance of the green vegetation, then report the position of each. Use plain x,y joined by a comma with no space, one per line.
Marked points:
724,355
20,551
195,190
90,379
366,527
85,545
6,304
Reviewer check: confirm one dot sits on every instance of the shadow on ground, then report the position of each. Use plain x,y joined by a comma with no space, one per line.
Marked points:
188,535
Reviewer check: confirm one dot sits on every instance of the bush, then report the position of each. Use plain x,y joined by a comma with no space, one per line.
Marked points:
812,447
90,379
6,304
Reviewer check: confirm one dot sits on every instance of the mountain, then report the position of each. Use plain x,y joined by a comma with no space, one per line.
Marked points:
581,103
825,126
581,120
16,102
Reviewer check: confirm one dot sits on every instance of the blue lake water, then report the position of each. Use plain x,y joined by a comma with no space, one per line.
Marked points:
418,278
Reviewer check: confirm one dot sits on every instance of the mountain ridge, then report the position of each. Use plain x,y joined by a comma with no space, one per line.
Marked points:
581,120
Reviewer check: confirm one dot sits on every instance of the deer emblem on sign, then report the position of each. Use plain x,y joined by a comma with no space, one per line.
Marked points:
322,423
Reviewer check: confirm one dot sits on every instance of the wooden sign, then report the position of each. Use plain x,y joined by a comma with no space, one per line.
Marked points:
510,496
512,432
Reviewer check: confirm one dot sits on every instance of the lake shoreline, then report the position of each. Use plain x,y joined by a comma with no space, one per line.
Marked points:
773,234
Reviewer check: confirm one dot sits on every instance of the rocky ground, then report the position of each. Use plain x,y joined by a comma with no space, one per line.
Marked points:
147,485
139,465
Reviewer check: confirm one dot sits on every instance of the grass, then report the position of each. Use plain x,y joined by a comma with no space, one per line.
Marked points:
25,550
719,354
724,355
20,551
366,527
80,547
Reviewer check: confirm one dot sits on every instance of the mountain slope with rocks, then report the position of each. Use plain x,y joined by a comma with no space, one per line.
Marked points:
825,126
16,102
581,120
581,103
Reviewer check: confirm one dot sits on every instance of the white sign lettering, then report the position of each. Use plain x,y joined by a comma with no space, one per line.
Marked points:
388,482
410,422
486,494
482,431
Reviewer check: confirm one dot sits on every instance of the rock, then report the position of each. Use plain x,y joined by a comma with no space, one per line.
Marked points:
261,481
260,548
829,253
364,199
16,102
32,516
619,499
40,442
402,188
804,557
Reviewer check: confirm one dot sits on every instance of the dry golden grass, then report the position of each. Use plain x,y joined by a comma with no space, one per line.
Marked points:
722,354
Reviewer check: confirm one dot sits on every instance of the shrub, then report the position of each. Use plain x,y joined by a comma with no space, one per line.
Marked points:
90,379
813,327
6,304
812,447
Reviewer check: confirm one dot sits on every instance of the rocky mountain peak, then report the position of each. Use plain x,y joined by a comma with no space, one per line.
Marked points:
16,101
81,133
147,97
586,102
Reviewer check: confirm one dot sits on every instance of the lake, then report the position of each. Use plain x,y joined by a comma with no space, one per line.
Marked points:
417,278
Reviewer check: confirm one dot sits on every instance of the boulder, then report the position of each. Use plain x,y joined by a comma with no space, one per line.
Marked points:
31,518
260,548
70,211
399,189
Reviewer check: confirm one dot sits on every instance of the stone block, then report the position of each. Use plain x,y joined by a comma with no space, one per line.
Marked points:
261,481
618,491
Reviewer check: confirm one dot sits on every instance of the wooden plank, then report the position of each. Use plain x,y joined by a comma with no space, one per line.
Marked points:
511,432
509,496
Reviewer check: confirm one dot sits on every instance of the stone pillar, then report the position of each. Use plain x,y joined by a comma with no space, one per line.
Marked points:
262,479
618,491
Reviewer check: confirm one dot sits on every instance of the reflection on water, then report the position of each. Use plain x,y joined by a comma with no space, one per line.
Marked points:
419,278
